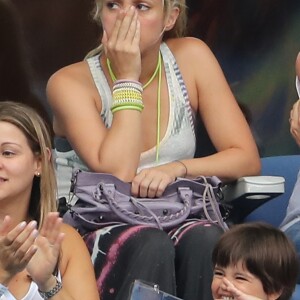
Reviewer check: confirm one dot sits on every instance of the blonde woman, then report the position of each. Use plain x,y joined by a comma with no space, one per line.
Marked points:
37,257
129,110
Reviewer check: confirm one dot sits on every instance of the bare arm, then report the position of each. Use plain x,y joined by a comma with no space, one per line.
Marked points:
226,125
210,95
77,117
60,242
76,107
78,275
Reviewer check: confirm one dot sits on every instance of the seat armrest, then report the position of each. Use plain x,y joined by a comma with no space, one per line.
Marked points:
247,193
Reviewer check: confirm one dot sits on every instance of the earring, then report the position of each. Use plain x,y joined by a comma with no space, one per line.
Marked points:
37,174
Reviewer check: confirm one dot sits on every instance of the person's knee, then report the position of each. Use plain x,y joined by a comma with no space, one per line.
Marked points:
151,243
200,236
208,233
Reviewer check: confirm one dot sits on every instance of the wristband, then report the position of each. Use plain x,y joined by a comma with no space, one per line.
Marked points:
49,294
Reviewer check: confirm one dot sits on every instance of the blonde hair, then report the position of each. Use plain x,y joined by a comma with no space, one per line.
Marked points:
26,119
179,29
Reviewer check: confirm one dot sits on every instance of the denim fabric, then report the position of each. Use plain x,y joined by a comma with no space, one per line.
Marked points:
293,232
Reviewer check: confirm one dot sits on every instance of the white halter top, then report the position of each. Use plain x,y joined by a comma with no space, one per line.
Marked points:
178,143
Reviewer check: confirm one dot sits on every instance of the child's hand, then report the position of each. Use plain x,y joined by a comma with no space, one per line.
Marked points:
234,292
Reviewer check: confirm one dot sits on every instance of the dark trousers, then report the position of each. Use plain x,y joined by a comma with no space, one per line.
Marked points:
178,261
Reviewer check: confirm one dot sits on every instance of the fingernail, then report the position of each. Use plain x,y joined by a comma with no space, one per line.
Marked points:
34,233
22,224
33,224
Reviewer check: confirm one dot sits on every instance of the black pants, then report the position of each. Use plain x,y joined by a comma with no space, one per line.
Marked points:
178,261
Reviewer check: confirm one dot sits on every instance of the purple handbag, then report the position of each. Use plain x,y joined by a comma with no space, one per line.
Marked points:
103,200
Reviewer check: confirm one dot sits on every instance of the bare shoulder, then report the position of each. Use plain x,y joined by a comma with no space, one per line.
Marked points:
70,232
72,240
76,75
193,57
189,48
72,95
197,65
72,71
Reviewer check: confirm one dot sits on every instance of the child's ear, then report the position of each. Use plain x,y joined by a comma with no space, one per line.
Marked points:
171,18
275,296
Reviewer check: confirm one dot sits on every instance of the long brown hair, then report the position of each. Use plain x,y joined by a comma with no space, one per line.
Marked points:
43,195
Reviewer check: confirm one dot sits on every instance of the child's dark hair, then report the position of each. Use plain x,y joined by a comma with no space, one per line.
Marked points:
266,253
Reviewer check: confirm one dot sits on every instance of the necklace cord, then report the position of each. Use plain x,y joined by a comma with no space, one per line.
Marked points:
158,110
114,78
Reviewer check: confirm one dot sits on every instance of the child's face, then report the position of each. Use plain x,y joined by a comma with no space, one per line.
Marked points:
228,282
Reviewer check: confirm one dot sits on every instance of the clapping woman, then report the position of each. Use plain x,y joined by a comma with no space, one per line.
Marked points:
40,257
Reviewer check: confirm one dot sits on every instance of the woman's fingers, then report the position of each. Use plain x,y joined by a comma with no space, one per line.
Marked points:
17,246
18,235
137,35
51,227
125,22
27,249
104,41
295,122
298,65
157,186
128,25
150,183
125,31
115,32
122,47
132,30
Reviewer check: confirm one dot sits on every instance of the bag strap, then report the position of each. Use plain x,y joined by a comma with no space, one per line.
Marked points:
210,195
